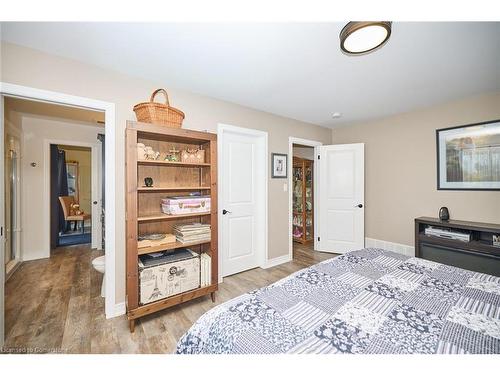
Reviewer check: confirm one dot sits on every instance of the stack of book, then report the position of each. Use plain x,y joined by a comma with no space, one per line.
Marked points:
188,233
206,269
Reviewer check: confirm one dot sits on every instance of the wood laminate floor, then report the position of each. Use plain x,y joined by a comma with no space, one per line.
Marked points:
54,305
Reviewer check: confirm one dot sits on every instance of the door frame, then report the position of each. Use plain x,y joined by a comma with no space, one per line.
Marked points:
13,90
314,144
263,200
95,150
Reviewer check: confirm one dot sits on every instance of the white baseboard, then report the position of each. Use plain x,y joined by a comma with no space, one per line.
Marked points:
29,258
118,310
391,246
277,261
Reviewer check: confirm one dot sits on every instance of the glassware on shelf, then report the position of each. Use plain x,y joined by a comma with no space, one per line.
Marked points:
297,232
297,220
308,235
309,206
309,221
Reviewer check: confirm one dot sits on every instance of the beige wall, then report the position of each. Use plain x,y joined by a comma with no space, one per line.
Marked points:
28,67
400,168
84,159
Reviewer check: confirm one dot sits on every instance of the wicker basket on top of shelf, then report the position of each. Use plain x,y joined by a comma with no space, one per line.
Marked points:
159,113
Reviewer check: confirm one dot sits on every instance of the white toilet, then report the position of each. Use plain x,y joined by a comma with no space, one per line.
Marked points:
99,265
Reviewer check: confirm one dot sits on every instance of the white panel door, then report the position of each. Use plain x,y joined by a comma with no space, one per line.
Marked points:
239,204
341,198
96,181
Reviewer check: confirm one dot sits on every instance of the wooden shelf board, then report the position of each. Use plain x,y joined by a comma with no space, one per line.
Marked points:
164,133
473,245
168,246
170,301
459,224
159,217
144,189
172,163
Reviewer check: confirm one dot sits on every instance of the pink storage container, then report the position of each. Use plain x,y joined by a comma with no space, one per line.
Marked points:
185,205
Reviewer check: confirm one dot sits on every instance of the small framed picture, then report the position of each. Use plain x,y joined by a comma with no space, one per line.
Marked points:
279,165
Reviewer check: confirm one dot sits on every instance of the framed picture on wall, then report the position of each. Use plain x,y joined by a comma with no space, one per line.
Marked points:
468,157
279,165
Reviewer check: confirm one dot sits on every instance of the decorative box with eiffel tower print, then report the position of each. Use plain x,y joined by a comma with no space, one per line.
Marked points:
162,275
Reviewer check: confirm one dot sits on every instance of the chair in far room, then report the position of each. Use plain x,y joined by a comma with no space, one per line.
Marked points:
66,203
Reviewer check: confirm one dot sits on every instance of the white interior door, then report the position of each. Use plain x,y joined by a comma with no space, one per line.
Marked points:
2,224
242,201
96,236
341,198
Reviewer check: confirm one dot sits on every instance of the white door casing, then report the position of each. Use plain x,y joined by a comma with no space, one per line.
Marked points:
341,197
243,198
111,169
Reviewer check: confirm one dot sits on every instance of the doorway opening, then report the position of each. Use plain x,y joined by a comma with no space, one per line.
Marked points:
302,199
70,195
53,189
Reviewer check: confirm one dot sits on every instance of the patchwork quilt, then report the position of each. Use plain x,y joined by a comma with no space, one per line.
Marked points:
367,301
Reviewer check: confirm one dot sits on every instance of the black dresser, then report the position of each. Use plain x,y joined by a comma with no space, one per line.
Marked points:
478,254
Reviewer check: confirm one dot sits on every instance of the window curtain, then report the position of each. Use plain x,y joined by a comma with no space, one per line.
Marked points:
58,187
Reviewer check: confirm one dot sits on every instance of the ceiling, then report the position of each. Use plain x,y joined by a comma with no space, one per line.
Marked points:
294,70
72,115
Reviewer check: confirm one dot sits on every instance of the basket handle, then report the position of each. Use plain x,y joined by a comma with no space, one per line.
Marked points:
156,92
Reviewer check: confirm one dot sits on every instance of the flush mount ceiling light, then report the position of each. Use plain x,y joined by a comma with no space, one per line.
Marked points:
359,38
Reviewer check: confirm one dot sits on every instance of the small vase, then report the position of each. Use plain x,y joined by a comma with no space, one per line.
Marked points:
444,214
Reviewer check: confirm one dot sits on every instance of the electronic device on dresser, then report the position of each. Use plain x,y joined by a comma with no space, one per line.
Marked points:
465,244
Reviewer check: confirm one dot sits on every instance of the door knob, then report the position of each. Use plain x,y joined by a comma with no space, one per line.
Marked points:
224,211
94,202
359,205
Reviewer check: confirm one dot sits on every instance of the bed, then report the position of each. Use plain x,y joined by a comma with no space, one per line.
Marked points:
368,301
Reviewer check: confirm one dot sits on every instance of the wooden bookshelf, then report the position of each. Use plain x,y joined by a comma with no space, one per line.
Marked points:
144,214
